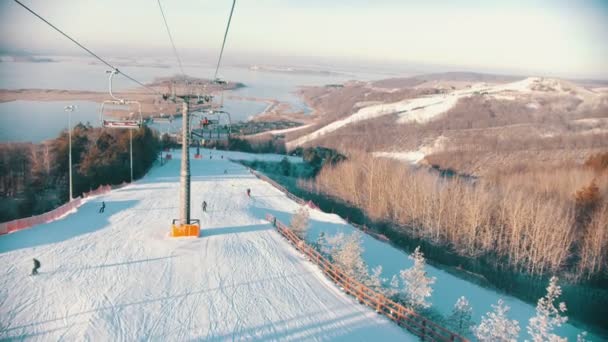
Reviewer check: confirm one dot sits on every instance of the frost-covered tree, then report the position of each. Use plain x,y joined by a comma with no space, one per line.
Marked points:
548,315
495,326
394,288
299,222
461,319
375,280
417,283
322,245
347,256
582,337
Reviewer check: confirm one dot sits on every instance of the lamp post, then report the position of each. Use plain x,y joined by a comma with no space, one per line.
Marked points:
131,147
70,109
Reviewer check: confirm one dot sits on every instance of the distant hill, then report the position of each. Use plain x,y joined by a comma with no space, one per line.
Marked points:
459,76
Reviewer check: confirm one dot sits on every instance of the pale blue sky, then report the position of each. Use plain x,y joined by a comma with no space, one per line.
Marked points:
557,37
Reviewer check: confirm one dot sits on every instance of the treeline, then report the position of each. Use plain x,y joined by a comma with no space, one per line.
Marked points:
34,177
250,145
538,221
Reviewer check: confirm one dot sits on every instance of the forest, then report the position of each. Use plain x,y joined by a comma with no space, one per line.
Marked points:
34,177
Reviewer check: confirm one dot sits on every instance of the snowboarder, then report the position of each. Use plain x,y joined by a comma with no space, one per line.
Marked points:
248,192
204,206
103,207
36,266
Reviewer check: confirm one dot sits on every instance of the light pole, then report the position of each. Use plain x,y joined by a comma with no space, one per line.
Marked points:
131,148
70,109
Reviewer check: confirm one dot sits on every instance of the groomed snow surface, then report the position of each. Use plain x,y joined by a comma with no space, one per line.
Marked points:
117,276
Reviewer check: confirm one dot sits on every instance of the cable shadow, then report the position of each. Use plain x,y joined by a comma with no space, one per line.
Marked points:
109,265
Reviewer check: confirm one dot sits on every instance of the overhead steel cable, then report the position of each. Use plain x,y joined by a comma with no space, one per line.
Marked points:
86,49
179,61
219,60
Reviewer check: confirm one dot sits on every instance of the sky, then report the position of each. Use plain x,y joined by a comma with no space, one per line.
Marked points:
533,37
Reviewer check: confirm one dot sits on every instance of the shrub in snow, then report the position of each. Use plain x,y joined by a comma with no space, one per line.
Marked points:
496,327
548,316
417,284
375,280
299,222
347,256
322,245
394,288
582,337
461,318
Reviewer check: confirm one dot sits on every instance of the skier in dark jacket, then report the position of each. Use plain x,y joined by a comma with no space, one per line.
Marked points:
36,266
103,207
248,192
204,206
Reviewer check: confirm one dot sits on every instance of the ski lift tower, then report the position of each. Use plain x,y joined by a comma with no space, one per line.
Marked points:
185,225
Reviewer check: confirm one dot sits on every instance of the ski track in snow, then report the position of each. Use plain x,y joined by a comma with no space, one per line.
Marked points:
118,276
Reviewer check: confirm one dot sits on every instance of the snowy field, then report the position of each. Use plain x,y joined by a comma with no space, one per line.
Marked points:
117,276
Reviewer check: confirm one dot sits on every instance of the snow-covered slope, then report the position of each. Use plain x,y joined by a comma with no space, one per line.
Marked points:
117,276
427,108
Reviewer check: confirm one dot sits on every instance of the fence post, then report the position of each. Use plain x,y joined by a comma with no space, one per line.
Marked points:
423,330
379,302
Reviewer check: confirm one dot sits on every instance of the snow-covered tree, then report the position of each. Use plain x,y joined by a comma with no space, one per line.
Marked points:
375,280
582,337
322,245
548,315
495,326
347,256
461,318
417,283
394,288
299,222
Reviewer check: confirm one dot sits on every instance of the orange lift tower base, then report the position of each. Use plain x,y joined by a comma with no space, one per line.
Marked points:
192,229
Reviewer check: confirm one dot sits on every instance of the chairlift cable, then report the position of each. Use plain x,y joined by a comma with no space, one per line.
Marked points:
179,61
86,49
219,60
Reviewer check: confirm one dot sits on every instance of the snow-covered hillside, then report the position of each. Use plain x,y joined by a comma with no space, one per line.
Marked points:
117,276
427,108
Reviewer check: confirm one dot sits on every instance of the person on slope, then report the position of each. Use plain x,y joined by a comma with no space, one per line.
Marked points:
103,207
36,266
248,192
204,206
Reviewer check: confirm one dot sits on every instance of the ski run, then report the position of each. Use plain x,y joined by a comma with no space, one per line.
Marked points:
118,276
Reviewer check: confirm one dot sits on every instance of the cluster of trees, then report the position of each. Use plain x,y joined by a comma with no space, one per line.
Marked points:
250,145
34,177
413,287
546,221
317,157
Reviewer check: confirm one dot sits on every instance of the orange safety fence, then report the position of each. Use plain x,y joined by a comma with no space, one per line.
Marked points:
418,325
27,222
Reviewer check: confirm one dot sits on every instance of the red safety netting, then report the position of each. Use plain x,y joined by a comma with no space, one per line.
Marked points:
27,222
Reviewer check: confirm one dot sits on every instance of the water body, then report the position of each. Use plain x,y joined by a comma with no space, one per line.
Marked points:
36,121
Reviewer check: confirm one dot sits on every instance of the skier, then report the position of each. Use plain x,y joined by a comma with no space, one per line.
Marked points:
204,206
36,266
103,207
248,192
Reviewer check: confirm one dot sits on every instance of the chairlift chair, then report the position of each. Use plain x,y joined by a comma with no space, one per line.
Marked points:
214,125
133,120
